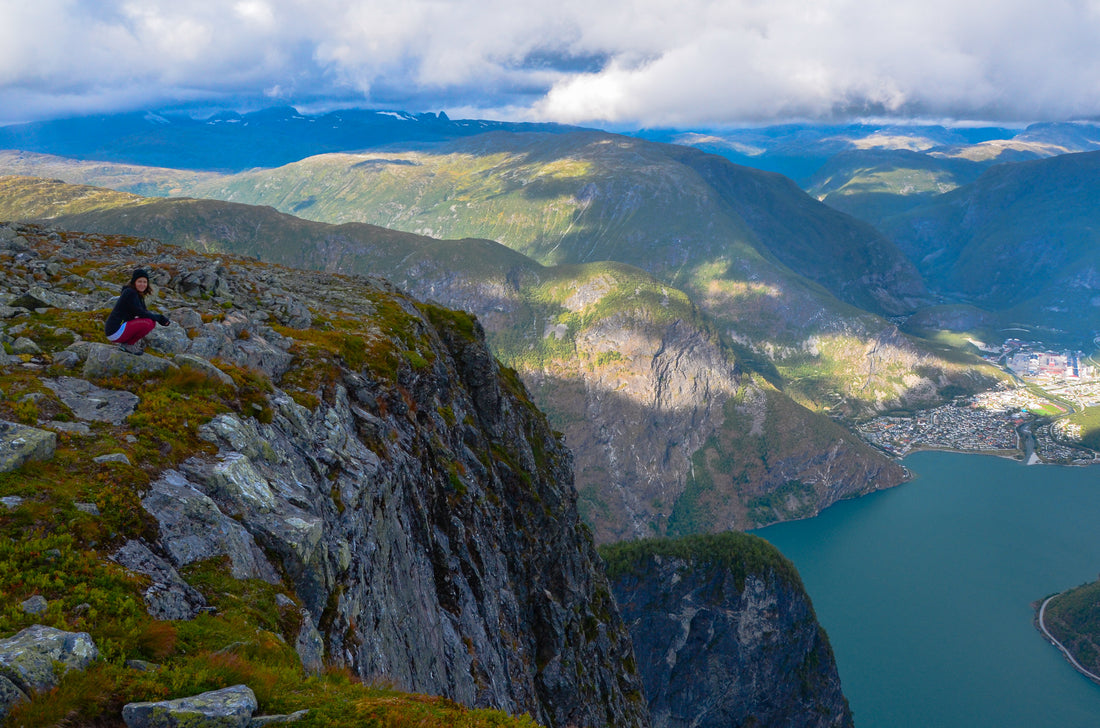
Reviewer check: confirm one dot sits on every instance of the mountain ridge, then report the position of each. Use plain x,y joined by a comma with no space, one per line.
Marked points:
618,359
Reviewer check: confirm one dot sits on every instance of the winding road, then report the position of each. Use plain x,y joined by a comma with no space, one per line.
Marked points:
1060,646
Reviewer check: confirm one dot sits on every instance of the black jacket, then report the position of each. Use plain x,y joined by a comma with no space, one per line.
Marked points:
130,306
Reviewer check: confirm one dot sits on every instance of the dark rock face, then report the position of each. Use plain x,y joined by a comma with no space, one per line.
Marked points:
725,635
433,532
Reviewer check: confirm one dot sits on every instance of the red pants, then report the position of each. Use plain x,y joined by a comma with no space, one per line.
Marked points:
133,331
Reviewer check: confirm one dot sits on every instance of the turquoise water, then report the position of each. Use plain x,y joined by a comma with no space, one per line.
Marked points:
926,591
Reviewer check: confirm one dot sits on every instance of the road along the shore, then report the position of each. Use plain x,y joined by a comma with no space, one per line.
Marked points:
1046,633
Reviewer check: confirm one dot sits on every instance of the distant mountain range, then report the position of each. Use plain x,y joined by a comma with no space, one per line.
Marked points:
1022,239
802,151
1001,218
229,141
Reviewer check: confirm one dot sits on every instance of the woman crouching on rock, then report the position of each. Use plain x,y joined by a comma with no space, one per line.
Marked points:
130,321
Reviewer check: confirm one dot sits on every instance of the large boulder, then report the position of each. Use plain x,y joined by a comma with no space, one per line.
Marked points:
34,660
37,297
169,339
105,360
89,402
20,443
226,708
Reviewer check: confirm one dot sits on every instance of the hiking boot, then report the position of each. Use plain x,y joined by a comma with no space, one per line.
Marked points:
132,349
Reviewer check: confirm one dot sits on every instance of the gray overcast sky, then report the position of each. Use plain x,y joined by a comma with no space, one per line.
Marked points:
622,62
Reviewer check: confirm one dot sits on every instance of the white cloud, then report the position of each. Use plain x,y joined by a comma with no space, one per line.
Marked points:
625,61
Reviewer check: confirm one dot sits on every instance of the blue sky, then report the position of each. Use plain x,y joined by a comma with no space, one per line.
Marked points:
687,63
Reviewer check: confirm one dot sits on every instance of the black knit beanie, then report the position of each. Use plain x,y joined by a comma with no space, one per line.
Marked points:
139,273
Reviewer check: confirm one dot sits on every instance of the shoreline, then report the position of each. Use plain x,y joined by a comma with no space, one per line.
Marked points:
1041,625
1016,455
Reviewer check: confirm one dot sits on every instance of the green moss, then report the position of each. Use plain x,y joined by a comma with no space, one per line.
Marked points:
740,553
460,322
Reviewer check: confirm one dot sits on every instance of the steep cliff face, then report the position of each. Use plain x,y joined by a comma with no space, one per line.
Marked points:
429,525
392,477
725,634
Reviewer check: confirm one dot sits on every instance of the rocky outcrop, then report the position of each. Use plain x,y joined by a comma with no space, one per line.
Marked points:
169,596
431,529
92,403
725,634
34,660
395,480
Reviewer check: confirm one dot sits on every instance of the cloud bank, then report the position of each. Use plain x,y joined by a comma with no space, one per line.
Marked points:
626,62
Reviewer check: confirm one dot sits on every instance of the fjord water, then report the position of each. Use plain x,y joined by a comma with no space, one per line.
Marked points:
926,591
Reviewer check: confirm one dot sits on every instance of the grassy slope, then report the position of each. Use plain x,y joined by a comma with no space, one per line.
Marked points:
1089,421
49,547
872,184
576,198
741,553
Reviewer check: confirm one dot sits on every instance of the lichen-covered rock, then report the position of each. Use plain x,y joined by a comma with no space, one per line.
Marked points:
37,297
23,345
20,443
31,659
310,645
92,403
230,707
725,634
107,360
35,605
